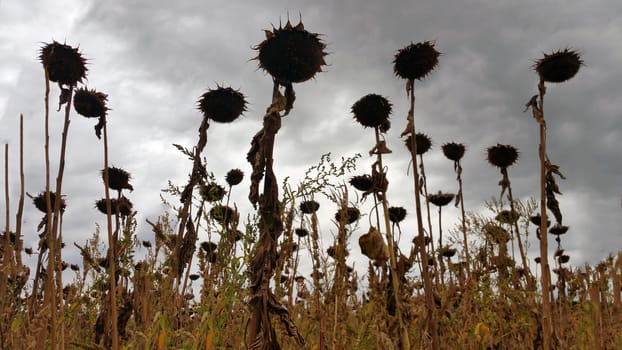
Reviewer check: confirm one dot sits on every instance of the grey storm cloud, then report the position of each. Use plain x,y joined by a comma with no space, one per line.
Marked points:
154,59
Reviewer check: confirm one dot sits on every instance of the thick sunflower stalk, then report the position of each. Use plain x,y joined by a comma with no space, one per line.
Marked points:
290,54
556,67
415,62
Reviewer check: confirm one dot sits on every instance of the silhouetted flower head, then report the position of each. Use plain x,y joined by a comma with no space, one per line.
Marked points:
441,199
40,202
423,142
397,214
222,105
309,207
122,206
234,177
453,151
502,156
64,64
290,54
212,192
361,182
558,66
118,179
90,103
350,215
372,110
416,61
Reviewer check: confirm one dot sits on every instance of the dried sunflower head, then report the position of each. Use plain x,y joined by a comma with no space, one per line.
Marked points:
291,54
301,232
222,105
362,182
537,219
213,192
40,202
558,229
372,110
208,246
558,66
64,64
453,151
118,179
122,206
397,214
448,252
441,199
349,216
90,103
309,207
496,233
223,214
502,156
423,141
416,61
507,216
234,177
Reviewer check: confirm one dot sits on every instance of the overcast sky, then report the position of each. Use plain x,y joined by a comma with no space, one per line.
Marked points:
155,58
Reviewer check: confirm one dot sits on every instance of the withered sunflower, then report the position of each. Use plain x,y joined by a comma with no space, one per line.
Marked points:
213,192
372,110
64,64
309,207
453,151
291,54
558,229
362,182
118,179
423,142
122,206
441,199
502,156
350,215
222,105
40,202
397,214
234,177
90,103
416,61
558,66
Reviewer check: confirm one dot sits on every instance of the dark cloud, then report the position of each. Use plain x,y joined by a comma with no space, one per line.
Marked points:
155,59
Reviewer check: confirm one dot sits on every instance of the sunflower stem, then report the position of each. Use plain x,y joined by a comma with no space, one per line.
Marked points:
111,247
427,281
547,322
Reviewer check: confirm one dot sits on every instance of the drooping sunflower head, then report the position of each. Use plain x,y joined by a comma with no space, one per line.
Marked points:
558,66
40,201
441,199
118,179
416,61
64,64
362,182
423,141
502,156
453,151
290,54
350,215
397,214
309,207
372,110
90,103
222,105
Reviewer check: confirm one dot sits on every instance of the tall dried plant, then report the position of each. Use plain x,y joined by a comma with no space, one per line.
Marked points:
556,67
